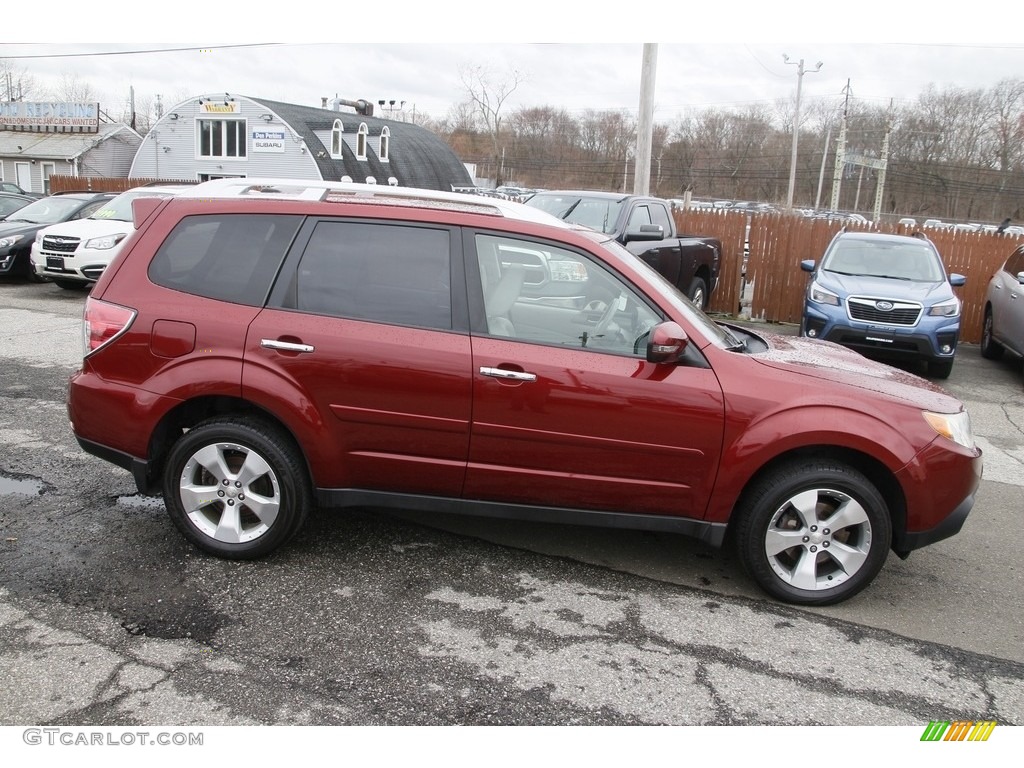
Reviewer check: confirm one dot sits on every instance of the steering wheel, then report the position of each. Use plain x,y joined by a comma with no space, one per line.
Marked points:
606,319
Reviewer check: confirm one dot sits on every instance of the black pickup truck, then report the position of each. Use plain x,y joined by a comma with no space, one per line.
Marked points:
644,225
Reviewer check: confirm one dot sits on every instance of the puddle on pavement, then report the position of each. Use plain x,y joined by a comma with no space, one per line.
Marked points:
21,485
142,502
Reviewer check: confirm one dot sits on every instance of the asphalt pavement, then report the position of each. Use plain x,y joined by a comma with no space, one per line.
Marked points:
109,618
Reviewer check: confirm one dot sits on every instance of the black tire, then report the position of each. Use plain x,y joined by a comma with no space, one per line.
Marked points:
795,504
990,348
32,275
940,369
698,293
212,501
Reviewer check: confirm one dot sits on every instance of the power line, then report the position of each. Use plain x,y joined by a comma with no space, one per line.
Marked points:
135,52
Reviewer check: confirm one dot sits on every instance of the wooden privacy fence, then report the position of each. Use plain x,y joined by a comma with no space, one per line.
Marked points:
779,242
103,184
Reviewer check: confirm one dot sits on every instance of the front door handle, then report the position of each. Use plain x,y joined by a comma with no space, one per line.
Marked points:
501,373
285,346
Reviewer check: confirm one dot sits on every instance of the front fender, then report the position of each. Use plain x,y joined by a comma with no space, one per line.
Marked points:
751,446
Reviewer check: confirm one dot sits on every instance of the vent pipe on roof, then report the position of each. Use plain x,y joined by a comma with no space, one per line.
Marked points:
362,106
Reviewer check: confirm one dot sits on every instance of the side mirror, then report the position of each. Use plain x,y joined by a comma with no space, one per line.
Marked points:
957,280
666,343
807,265
1020,278
645,232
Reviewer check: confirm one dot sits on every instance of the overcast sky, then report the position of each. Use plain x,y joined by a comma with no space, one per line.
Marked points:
710,54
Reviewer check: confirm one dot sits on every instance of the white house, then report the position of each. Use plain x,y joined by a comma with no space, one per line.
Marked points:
219,135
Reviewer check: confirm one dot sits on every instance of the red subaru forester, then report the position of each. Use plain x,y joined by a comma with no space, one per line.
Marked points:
262,346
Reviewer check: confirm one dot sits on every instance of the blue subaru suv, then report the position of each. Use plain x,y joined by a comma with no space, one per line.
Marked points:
884,296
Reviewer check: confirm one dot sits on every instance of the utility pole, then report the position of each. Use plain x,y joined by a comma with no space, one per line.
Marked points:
821,172
800,72
837,174
645,124
881,170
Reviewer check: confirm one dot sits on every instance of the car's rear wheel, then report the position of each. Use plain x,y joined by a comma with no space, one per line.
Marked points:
990,348
236,487
698,293
813,532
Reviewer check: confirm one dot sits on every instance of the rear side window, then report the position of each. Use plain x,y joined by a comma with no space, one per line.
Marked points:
386,273
230,257
1015,263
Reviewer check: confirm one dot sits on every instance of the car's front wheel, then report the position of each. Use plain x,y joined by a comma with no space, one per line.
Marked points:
990,348
236,487
813,532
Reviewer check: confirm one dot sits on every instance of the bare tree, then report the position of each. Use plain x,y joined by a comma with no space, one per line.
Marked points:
72,88
488,94
1008,125
16,83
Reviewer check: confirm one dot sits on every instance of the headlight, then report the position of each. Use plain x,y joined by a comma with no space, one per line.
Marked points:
953,426
7,242
949,308
104,243
821,296
39,237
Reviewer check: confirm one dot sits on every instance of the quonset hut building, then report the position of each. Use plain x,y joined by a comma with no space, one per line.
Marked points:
222,135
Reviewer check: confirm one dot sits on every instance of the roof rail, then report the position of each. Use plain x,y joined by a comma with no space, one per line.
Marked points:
342,191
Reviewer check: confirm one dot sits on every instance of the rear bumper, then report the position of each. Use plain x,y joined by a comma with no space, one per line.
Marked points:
138,467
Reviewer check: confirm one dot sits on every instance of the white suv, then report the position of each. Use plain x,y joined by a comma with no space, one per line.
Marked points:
75,253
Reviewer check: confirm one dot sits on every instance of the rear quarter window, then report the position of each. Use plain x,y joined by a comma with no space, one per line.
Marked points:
229,257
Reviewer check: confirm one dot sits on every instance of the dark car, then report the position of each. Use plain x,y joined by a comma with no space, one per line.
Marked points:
13,201
260,347
18,231
11,188
1003,324
886,296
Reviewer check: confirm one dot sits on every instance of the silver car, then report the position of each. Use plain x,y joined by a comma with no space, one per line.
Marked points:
1003,326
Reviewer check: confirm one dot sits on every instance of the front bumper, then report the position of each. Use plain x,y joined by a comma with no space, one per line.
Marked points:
883,341
940,485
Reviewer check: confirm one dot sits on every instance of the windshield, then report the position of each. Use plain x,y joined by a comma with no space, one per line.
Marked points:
120,208
49,210
10,205
597,213
898,260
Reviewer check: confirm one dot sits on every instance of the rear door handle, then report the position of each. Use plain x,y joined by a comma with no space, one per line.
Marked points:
501,373
285,346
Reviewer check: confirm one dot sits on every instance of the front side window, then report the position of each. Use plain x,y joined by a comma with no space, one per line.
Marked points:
221,138
230,257
548,295
400,275
638,217
1015,263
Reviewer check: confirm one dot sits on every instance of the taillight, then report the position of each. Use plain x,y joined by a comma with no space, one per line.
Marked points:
102,323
